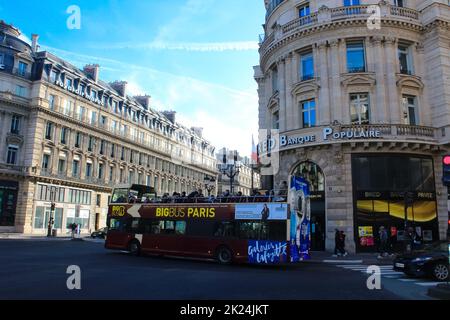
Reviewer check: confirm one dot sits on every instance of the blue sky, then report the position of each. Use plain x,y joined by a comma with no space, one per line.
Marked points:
192,56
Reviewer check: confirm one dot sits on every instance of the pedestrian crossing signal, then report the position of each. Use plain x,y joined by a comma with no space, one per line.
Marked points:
446,172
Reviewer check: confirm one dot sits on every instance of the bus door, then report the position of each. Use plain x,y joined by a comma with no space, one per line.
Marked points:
166,235
118,232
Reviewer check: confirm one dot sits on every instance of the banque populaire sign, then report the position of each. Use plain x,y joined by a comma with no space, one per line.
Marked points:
329,134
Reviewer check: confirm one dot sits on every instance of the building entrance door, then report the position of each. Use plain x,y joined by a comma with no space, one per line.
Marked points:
318,221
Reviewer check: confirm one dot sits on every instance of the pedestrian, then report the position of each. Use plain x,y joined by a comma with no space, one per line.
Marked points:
78,229
341,247
336,244
73,227
383,236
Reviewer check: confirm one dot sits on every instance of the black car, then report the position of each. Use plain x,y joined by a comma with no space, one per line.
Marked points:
428,261
101,233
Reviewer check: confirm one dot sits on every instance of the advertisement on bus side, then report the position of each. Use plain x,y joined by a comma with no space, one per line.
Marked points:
261,211
267,252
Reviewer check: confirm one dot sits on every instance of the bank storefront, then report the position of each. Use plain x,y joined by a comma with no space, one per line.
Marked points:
359,177
380,182
72,205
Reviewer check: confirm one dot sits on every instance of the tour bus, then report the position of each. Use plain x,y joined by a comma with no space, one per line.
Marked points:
227,229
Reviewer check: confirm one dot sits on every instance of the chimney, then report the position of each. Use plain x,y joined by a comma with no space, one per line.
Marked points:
34,43
92,70
144,100
170,115
198,131
120,87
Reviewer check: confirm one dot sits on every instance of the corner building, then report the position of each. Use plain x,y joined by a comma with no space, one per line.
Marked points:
363,112
69,137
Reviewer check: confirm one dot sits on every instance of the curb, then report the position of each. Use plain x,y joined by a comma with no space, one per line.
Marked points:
441,291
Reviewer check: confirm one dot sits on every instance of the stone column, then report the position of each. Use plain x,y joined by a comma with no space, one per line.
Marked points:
419,70
391,71
290,108
282,93
379,111
323,106
336,92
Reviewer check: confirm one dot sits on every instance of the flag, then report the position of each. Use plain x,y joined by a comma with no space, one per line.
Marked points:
254,153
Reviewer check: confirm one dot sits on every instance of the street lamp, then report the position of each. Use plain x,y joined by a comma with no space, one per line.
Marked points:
209,184
52,209
230,170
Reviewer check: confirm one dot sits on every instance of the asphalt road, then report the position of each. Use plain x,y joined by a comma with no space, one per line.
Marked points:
37,270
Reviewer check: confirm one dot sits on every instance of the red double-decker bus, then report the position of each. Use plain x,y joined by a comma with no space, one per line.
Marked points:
230,229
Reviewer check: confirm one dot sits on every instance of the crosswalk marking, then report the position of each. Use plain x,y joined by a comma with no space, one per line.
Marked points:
387,271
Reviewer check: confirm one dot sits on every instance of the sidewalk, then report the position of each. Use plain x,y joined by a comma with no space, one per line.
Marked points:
38,237
360,258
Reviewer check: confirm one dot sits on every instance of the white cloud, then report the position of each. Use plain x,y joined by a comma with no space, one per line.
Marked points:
229,117
185,46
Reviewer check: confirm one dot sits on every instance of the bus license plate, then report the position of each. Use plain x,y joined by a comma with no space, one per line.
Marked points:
400,265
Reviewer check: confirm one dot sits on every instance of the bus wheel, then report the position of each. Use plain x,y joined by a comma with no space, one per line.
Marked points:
224,255
134,248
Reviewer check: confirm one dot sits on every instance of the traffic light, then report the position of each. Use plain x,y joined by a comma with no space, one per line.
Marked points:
446,171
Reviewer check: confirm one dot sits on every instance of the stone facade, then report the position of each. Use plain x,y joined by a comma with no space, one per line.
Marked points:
405,77
66,133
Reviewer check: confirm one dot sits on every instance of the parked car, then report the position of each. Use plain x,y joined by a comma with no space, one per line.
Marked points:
101,233
428,261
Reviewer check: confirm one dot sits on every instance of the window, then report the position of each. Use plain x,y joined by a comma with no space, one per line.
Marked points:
98,200
15,124
69,83
22,71
49,131
307,66
276,120
113,126
67,107
78,137
304,11
102,147
81,113
274,80
399,3
351,3
81,88
103,121
75,168
411,114
122,154
93,119
45,161
100,170
51,102
115,107
53,76
113,147
404,58
93,94
64,132
308,113
359,108
11,157
91,144
356,57
21,91
88,170
111,173
61,166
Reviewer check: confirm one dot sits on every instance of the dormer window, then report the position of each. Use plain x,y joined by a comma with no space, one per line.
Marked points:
53,76
69,83
304,10
22,71
93,94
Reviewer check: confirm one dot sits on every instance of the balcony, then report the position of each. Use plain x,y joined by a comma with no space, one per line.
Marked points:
326,16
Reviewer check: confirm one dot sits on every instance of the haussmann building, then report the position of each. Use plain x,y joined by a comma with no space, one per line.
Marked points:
69,138
360,94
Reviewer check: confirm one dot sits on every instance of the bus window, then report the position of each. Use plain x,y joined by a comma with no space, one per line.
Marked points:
136,225
167,227
120,196
118,225
224,229
254,230
180,227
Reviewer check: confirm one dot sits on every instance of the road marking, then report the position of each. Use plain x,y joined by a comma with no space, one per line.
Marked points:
393,277
428,284
408,280
341,261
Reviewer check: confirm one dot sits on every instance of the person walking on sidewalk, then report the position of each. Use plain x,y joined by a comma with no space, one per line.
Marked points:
383,236
73,228
342,243
336,244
